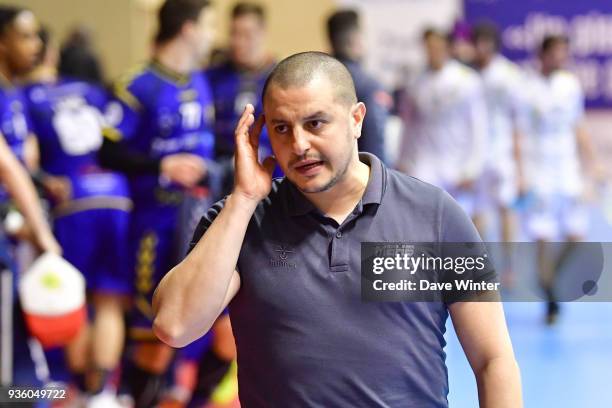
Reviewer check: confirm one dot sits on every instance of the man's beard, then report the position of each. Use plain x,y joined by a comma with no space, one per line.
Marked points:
338,176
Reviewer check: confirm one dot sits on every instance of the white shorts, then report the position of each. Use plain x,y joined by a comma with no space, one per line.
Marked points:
555,217
497,187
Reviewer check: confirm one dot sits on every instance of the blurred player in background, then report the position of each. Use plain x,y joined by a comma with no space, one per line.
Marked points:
461,45
162,139
445,136
346,40
78,59
502,179
556,142
239,80
19,187
90,209
19,49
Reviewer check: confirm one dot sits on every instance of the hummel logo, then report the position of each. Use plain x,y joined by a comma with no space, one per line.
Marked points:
283,250
283,254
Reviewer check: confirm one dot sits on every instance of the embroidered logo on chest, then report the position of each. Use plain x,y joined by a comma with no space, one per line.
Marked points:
283,257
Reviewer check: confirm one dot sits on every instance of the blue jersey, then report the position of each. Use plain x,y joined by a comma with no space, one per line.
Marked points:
14,123
232,89
159,113
67,118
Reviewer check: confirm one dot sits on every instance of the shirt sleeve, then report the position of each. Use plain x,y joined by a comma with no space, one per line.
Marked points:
122,114
455,225
205,222
461,242
28,113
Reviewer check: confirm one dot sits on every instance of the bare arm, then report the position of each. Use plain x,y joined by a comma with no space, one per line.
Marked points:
478,129
482,332
588,153
517,143
192,295
21,189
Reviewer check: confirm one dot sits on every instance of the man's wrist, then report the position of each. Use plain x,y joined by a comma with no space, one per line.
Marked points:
242,203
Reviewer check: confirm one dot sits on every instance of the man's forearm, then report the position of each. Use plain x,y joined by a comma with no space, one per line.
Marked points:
113,155
499,384
21,189
191,296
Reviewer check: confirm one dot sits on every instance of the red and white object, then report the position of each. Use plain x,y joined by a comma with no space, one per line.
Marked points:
52,295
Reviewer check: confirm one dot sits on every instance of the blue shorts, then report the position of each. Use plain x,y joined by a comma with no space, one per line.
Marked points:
154,250
95,242
159,238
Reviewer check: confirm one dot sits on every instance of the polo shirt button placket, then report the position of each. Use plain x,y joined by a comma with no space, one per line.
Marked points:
338,234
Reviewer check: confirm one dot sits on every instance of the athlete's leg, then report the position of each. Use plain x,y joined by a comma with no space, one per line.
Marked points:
507,219
153,234
73,232
110,296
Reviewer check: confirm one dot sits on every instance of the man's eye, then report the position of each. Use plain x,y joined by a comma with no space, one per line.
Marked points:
315,124
281,128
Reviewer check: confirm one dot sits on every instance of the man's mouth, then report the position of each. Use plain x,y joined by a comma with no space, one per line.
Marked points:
308,167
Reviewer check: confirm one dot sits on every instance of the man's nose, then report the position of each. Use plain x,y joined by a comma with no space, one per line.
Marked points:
301,142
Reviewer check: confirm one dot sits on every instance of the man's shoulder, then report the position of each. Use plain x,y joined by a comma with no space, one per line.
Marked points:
564,79
135,86
276,201
269,205
402,186
275,198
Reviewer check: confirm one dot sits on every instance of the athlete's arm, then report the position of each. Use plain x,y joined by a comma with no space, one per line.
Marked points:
482,332
192,295
115,156
477,131
21,189
517,155
587,152
183,168
374,123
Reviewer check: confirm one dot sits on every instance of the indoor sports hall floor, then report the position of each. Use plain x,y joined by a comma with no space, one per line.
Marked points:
564,366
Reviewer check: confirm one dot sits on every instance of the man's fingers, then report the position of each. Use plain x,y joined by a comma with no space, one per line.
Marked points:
246,120
269,163
242,133
191,161
188,178
195,162
256,132
248,110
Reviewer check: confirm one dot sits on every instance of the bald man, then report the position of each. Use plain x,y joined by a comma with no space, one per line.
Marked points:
284,254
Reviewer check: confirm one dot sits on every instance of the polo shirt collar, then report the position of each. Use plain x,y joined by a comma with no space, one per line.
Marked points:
298,204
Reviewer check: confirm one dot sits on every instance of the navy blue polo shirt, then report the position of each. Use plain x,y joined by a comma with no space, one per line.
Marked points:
304,336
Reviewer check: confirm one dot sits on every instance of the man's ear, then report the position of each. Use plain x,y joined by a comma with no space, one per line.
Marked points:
358,112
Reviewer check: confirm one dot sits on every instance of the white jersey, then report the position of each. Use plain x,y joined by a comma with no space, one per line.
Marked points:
503,86
444,140
556,106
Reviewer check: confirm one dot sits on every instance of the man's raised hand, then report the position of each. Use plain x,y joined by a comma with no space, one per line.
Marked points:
252,180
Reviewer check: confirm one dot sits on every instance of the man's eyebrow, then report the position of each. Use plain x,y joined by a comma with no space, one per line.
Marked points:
316,115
